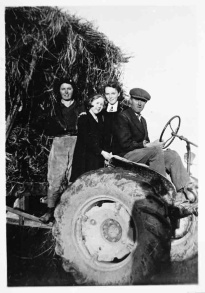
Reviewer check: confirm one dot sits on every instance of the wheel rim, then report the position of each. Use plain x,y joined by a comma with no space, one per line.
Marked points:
105,232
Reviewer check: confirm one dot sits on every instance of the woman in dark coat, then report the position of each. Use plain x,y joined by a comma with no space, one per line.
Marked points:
89,153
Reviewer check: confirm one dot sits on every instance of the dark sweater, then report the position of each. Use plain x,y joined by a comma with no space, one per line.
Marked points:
62,121
70,117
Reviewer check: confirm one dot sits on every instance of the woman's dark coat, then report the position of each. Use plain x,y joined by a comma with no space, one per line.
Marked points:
87,154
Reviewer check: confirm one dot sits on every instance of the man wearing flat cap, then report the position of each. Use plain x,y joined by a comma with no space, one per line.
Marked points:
132,135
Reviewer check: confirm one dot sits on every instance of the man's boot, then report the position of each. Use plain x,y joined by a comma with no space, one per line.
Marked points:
191,192
188,192
48,216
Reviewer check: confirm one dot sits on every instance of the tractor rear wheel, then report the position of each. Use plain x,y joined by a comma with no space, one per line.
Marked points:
111,229
184,243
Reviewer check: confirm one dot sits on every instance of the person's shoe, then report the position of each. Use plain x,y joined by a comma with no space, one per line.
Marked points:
48,216
44,199
190,192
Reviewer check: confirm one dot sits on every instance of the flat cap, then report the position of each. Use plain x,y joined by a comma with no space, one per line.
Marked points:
138,93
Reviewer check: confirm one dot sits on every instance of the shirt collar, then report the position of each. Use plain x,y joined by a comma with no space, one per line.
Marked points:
115,106
67,103
94,116
138,115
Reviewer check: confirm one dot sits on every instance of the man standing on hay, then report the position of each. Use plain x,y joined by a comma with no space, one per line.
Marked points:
62,126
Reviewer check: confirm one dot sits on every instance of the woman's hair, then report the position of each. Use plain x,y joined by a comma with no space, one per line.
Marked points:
115,85
59,82
92,98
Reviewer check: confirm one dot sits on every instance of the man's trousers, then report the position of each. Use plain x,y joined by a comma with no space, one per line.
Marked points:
163,162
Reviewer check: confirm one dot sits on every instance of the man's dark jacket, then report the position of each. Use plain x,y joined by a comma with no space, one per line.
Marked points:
130,131
110,143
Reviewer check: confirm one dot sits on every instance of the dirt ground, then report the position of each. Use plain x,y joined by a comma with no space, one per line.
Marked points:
31,261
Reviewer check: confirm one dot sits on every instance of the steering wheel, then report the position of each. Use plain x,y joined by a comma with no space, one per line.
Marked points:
173,132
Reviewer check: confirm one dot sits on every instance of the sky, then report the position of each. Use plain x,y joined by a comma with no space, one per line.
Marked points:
166,42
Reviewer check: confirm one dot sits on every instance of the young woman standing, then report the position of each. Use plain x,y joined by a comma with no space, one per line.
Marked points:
62,127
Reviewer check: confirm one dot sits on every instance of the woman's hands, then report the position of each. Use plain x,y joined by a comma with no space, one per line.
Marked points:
107,156
154,143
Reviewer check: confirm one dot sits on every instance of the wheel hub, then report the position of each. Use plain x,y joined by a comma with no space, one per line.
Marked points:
106,231
111,230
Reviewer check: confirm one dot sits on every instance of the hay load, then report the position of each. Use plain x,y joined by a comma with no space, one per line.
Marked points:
42,44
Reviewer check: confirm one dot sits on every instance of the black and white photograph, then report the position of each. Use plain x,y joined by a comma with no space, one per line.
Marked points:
101,145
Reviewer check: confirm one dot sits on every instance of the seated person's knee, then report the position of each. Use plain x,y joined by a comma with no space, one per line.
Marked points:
173,154
157,149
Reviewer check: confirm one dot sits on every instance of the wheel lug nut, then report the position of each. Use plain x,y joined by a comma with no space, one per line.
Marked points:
92,222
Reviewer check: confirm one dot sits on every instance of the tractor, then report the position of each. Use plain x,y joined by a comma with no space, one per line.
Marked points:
118,225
